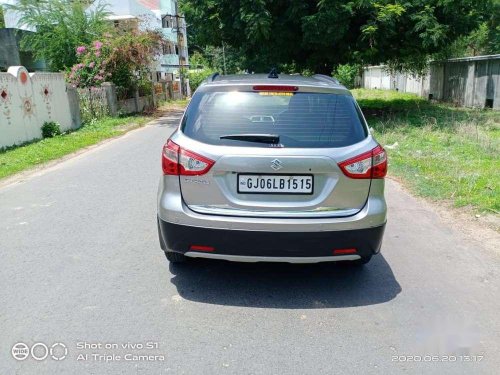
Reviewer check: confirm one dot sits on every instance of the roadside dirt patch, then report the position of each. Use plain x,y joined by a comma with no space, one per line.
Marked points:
483,228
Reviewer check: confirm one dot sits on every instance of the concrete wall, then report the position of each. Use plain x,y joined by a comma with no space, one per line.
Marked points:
467,82
28,100
135,105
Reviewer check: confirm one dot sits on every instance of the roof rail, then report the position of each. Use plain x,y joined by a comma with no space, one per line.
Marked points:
210,78
325,78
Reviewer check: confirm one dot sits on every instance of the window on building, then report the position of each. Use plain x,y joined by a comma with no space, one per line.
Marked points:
166,22
168,48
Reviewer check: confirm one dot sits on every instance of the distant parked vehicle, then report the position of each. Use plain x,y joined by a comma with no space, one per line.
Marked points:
274,168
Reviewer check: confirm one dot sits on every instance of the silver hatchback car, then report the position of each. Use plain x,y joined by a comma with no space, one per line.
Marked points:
278,168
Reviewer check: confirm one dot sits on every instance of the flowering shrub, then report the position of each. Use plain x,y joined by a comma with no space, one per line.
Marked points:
91,69
123,58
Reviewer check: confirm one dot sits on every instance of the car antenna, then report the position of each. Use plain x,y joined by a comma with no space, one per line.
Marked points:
273,73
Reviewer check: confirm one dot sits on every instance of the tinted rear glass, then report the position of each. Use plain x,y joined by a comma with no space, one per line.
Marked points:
306,120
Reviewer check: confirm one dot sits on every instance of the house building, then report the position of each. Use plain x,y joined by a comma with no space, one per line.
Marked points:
11,53
156,14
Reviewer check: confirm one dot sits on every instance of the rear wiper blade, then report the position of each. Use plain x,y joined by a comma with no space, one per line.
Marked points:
262,138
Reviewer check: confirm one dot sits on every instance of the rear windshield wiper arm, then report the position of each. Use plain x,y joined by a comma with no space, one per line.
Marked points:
261,138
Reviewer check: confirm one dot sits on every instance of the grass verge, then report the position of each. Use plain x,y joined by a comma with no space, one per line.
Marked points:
20,158
440,151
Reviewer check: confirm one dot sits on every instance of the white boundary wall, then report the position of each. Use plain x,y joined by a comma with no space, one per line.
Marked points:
27,100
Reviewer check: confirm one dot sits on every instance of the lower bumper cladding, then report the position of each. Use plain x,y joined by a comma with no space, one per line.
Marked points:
260,246
255,259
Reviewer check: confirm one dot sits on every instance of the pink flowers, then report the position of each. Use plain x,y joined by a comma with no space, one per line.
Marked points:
90,69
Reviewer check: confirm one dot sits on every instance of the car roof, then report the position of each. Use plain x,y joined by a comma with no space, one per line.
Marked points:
317,80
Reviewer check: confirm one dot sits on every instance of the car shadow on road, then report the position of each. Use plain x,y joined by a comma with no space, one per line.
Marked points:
285,286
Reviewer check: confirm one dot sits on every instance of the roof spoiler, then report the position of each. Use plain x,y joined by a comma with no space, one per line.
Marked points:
325,78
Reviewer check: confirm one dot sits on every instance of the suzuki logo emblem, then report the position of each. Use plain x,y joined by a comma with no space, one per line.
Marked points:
276,164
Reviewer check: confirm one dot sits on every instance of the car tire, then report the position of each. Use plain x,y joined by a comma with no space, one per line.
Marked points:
174,257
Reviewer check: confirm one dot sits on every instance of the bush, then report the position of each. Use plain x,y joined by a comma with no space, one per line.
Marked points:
196,77
123,58
50,129
347,74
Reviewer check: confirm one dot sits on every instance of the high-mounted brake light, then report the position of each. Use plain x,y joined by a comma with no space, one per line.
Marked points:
371,164
180,162
275,88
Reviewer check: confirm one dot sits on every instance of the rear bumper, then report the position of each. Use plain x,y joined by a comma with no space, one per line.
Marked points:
294,247
172,209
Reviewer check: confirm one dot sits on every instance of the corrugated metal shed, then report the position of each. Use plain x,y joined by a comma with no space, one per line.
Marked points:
468,82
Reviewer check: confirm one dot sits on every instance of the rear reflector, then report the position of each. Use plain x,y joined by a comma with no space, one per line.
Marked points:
275,88
344,251
201,248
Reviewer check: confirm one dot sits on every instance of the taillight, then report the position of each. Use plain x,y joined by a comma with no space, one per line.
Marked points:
180,162
371,164
170,158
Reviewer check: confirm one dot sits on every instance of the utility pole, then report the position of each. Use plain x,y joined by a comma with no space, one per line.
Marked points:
180,45
224,57
178,29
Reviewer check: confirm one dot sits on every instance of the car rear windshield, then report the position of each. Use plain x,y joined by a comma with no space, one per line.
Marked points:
304,120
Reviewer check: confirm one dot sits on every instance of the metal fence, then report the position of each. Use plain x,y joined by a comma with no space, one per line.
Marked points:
467,82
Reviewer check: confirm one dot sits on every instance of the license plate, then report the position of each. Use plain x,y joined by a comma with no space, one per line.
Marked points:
275,184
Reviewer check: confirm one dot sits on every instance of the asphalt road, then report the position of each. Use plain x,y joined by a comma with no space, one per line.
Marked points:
81,264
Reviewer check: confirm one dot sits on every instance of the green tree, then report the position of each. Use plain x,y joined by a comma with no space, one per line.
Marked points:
2,20
228,60
483,40
321,34
347,74
61,26
196,77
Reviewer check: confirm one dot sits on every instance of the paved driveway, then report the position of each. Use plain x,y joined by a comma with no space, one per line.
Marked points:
81,266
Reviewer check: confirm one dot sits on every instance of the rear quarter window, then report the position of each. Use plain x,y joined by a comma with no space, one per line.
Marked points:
304,120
